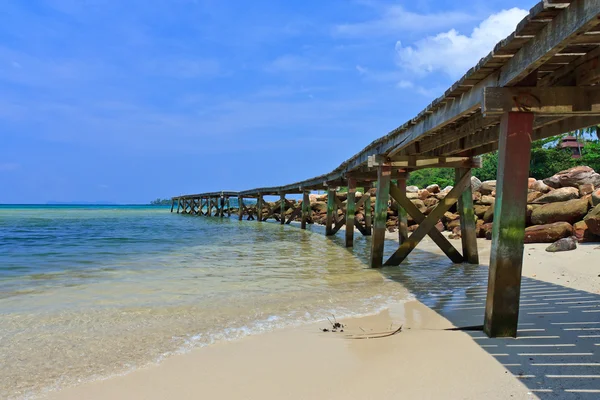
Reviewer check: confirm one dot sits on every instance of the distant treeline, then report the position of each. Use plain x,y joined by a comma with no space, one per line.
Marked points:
161,202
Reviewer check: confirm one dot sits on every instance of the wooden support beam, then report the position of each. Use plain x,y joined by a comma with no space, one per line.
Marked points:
259,207
368,213
305,209
295,213
381,205
467,219
228,206
350,211
178,204
282,208
402,215
506,258
427,224
541,100
222,206
240,207
172,204
331,208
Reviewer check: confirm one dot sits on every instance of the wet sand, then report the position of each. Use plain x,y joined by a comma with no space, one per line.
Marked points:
423,361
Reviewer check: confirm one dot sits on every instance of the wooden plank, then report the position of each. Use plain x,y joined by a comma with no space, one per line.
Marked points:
297,211
506,258
331,208
305,209
368,213
402,217
467,219
381,206
350,211
428,224
541,100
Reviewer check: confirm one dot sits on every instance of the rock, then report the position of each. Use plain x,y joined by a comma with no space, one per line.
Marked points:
476,196
418,203
586,189
533,196
565,211
412,189
564,244
562,194
440,226
484,230
475,183
423,194
322,197
540,186
593,220
548,233
583,234
411,195
487,200
319,207
448,216
480,210
489,215
531,182
433,188
487,187
413,228
441,195
596,197
453,224
573,177
447,189
313,197
432,201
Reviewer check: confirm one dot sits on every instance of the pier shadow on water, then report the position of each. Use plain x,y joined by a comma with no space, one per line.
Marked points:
557,351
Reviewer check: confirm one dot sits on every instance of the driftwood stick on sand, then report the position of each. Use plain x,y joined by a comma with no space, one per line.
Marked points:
376,335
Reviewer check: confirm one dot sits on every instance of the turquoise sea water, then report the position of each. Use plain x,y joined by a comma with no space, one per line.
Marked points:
87,292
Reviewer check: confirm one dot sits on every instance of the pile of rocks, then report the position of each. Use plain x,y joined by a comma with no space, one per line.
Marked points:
566,204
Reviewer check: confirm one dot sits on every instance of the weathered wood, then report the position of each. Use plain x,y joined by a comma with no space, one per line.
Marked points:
541,100
259,208
428,224
178,205
228,206
305,209
368,213
381,205
467,220
240,208
331,208
506,258
282,208
295,213
339,203
172,204
350,211
402,217
222,207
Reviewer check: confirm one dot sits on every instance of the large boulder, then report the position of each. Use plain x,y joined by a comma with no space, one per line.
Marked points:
433,188
562,194
540,186
319,207
412,195
583,234
432,201
412,189
489,215
586,189
475,183
548,233
565,211
480,210
533,196
593,220
487,187
487,200
423,194
596,197
564,244
574,177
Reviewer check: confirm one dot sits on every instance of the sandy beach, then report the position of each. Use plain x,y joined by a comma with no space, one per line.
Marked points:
423,361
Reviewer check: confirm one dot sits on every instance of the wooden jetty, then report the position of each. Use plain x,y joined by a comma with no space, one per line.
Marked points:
538,82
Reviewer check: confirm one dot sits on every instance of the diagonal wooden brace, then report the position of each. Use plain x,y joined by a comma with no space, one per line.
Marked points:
296,213
427,224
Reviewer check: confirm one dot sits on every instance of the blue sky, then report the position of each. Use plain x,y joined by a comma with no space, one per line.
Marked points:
129,100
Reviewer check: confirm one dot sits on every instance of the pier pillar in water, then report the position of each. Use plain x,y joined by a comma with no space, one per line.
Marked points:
282,208
467,219
259,207
384,173
228,206
178,204
402,215
350,211
305,209
222,204
240,207
368,212
172,204
506,258
331,207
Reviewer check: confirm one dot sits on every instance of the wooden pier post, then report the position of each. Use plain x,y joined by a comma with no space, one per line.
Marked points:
506,258
402,214
222,209
240,207
282,208
305,209
259,207
368,212
384,173
350,211
331,208
178,204
172,204
467,219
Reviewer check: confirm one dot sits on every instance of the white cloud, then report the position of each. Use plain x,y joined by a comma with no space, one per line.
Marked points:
404,84
395,19
454,53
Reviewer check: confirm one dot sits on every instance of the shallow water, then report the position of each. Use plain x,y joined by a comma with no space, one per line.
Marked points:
89,292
